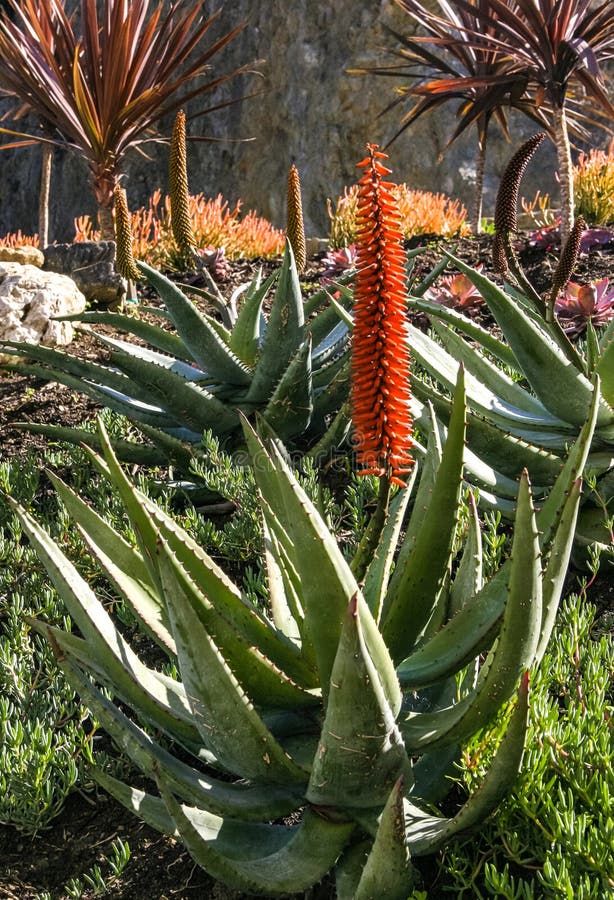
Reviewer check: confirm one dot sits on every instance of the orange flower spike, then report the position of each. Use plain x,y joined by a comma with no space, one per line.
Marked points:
380,359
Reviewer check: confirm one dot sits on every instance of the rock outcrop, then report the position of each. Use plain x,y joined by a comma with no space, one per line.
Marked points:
29,299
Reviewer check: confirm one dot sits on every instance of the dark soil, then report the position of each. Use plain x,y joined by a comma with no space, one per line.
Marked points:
79,837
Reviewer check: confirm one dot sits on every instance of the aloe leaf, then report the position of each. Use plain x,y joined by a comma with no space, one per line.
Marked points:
246,335
380,567
284,612
229,725
223,798
123,403
486,372
605,368
443,367
325,598
203,342
266,684
433,773
426,833
175,450
474,627
360,753
501,450
72,371
269,861
515,649
329,321
542,361
284,334
333,437
469,328
228,601
160,338
132,680
190,404
153,811
127,451
122,564
289,410
388,871
556,568
468,581
322,296
409,601
136,351
573,467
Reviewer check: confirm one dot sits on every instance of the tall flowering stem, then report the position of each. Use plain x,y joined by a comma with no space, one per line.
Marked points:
380,351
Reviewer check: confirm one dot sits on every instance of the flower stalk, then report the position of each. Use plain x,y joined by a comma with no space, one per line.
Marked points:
126,265
380,351
296,227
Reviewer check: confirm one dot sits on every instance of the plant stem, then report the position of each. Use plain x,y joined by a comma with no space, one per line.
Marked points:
370,539
563,152
43,197
479,186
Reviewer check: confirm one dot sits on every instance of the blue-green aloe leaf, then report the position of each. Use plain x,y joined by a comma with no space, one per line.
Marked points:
203,342
269,861
284,334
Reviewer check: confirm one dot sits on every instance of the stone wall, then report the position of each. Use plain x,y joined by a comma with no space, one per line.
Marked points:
311,113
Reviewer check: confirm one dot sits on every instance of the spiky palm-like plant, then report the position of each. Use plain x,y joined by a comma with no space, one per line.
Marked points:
464,71
87,101
554,44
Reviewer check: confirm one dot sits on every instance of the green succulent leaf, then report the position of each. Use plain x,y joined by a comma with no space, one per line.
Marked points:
284,334
360,753
325,598
426,833
468,327
542,361
123,565
514,651
247,331
410,599
228,723
289,410
468,580
203,342
388,871
269,860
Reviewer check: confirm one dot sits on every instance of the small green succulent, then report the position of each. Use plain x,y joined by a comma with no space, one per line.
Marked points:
318,734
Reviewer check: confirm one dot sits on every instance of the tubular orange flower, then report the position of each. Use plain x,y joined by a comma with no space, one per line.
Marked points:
380,357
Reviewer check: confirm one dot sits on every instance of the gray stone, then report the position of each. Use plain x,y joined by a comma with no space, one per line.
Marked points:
29,299
91,265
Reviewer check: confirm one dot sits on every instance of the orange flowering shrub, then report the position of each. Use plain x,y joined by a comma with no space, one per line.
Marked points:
17,239
215,225
421,212
380,352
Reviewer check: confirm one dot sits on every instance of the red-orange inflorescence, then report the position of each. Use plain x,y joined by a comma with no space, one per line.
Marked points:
380,351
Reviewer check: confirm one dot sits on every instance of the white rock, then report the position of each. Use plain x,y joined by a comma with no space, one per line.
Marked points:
29,298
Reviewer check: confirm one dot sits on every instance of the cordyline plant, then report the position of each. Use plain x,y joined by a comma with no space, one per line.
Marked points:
99,89
468,72
341,708
525,54
554,44
525,419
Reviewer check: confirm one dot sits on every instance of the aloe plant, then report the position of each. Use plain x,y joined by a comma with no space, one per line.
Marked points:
293,368
527,407
344,704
